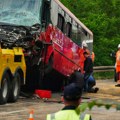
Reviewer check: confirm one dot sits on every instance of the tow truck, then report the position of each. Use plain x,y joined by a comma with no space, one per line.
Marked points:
12,73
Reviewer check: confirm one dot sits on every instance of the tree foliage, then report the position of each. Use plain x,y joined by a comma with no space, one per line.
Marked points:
102,17
98,103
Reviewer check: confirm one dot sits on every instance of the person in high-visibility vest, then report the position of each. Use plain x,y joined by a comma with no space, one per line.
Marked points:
81,51
118,66
72,99
85,49
93,57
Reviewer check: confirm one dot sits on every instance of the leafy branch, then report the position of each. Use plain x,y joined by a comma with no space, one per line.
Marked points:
97,103
100,103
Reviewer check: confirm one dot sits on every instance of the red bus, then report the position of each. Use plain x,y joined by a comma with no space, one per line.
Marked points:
51,37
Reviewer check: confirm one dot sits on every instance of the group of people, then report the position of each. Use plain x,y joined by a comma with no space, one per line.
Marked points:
72,93
89,80
86,71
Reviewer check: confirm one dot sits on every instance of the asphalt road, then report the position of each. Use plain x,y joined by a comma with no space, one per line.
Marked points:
20,110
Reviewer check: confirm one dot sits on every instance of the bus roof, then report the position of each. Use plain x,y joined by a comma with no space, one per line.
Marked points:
73,16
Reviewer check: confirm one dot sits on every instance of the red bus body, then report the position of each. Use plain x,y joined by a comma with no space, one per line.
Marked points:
67,55
51,37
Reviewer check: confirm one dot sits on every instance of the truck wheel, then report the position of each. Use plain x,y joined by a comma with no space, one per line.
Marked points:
15,88
4,91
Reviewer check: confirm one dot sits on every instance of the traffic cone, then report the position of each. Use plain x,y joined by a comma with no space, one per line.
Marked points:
31,115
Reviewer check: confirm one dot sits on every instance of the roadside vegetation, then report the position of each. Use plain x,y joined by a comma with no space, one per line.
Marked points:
104,75
102,17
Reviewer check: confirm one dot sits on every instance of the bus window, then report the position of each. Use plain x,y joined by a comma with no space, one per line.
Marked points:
74,33
61,22
68,29
84,31
79,37
46,13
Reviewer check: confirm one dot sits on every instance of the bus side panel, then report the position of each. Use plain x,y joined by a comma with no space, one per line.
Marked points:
66,53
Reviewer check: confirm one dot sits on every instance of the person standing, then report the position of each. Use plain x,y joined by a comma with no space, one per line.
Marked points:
118,66
72,99
89,81
81,51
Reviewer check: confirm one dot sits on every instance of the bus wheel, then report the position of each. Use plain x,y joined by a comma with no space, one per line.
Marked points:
4,91
15,88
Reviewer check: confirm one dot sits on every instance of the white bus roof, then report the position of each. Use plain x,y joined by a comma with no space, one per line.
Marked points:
73,16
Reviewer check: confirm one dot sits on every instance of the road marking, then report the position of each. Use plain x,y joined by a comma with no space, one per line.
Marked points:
12,112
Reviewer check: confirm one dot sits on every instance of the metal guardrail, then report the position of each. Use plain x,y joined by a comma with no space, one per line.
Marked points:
103,68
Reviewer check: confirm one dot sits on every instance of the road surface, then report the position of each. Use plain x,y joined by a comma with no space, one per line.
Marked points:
20,110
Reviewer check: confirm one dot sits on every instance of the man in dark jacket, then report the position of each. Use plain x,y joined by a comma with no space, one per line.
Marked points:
89,81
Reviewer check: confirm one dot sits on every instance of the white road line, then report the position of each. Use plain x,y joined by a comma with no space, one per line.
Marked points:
17,111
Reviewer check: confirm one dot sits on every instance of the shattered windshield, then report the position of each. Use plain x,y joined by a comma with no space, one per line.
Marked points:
20,12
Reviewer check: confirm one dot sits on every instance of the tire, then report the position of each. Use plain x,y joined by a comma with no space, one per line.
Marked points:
4,91
15,88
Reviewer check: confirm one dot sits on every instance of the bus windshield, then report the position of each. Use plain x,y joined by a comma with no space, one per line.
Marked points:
20,12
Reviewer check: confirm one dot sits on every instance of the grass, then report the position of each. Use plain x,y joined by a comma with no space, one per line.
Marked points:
104,75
